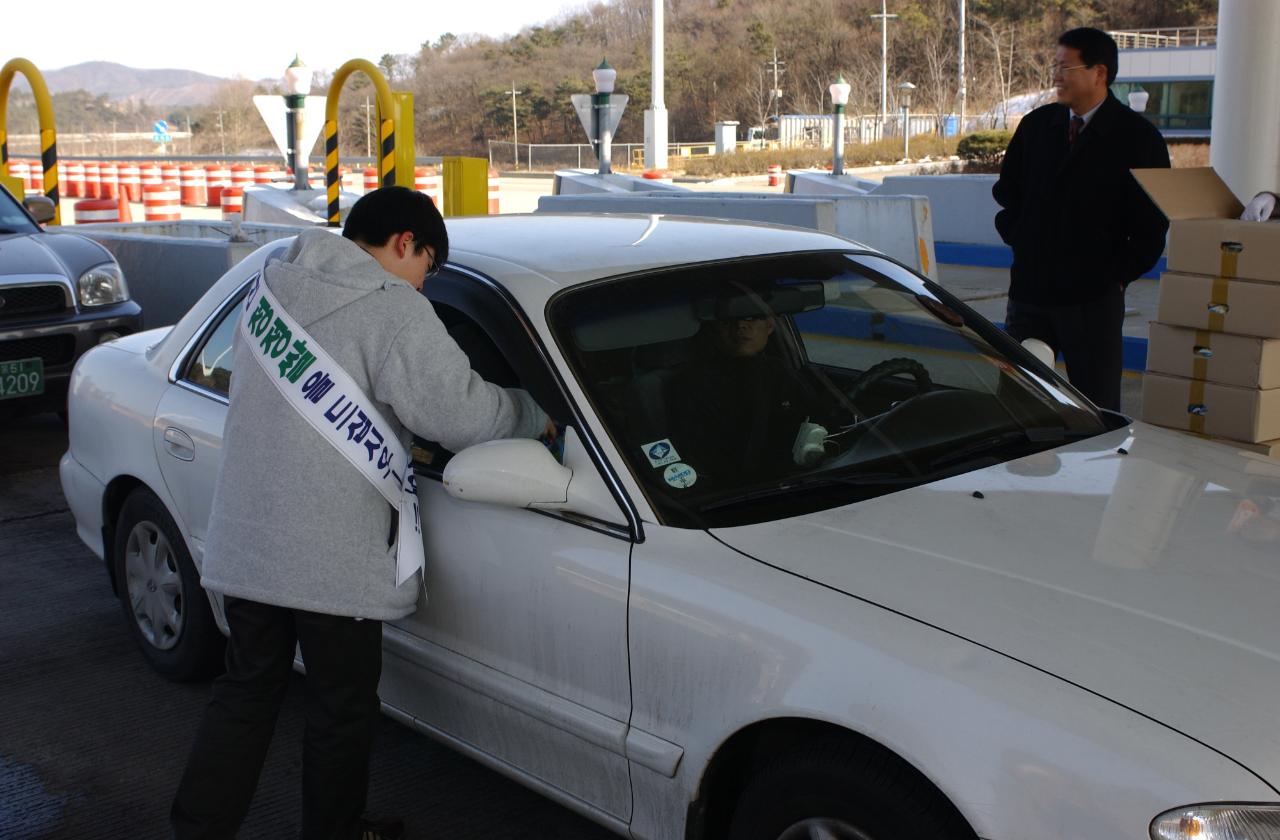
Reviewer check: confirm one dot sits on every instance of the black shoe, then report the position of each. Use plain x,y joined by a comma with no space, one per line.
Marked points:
373,827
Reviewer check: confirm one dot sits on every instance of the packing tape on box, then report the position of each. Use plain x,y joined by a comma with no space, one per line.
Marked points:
1196,407
1227,267
1203,352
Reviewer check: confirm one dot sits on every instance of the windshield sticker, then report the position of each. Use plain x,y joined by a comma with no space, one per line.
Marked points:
660,453
680,476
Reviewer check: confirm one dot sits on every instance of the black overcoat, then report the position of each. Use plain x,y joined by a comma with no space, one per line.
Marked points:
1075,217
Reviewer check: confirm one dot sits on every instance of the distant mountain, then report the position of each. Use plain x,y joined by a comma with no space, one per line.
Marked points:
120,83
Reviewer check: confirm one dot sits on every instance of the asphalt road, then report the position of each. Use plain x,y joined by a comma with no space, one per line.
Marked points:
92,742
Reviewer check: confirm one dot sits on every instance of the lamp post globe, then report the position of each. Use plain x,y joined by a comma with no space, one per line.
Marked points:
604,77
839,99
1138,100
297,86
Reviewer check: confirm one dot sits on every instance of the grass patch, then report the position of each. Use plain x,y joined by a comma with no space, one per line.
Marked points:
855,154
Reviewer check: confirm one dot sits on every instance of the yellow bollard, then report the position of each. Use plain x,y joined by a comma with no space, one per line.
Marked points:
466,186
48,132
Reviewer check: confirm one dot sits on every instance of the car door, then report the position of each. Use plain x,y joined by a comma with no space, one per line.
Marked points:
189,418
519,651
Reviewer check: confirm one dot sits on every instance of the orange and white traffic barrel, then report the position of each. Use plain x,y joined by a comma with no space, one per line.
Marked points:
92,180
775,174
94,211
217,178
131,182
161,202
170,173
371,180
151,175
194,190
109,179
35,183
662,176
73,178
493,192
262,174
232,201
242,175
426,180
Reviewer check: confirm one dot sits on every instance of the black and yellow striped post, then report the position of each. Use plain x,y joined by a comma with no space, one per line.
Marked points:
387,132
48,131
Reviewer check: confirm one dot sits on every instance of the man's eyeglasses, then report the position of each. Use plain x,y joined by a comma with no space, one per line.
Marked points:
1058,69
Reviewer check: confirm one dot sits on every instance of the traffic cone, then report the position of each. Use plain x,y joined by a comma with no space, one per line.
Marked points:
126,214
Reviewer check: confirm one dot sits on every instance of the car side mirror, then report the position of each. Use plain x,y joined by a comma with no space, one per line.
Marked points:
41,207
514,473
1041,351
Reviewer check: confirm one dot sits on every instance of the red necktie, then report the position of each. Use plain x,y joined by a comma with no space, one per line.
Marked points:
1077,123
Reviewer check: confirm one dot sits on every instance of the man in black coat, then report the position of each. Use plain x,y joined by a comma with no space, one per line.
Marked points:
1080,227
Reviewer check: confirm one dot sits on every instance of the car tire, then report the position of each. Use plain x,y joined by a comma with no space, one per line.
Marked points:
164,605
843,791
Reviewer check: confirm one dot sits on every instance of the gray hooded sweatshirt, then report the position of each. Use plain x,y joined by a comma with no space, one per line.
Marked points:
293,522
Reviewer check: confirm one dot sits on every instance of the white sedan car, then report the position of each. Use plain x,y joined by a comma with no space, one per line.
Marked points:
824,553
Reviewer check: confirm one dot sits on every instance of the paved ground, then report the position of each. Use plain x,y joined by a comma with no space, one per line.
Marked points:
92,742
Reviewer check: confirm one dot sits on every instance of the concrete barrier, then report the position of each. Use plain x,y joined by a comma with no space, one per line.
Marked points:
587,182
275,206
169,265
963,209
895,225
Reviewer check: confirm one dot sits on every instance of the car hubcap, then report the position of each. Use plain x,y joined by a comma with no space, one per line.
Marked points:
823,828
154,585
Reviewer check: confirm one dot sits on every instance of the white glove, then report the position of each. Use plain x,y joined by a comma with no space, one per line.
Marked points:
808,448
1261,208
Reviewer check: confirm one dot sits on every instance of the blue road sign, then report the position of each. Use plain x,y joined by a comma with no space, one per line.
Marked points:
160,127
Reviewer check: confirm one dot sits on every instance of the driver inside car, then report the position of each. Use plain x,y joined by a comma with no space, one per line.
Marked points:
742,408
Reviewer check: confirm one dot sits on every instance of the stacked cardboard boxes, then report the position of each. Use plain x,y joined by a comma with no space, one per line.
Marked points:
1213,358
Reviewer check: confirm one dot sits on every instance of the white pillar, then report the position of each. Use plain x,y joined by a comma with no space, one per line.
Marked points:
1245,147
655,118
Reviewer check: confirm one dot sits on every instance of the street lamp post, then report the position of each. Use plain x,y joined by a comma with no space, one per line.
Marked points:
884,17
904,97
839,98
297,84
604,77
515,124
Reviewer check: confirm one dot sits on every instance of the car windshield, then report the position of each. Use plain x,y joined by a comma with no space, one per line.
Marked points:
755,389
13,219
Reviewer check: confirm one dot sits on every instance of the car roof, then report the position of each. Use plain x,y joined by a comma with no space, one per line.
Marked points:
568,249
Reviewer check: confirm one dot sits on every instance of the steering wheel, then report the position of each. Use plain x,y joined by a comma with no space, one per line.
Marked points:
887,368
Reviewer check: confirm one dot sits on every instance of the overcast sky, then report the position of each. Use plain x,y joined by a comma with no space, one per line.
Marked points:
258,39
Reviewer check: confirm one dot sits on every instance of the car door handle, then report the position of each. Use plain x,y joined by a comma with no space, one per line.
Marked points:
179,444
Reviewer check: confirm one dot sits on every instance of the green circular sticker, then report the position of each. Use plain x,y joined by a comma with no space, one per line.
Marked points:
680,475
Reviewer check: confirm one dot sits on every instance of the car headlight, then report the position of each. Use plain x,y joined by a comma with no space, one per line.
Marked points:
1218,822
101,285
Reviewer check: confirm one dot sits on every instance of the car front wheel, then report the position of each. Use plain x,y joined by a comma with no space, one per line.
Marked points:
167,611
843,792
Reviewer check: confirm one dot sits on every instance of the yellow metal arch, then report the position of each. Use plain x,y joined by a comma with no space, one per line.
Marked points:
48,132
386,133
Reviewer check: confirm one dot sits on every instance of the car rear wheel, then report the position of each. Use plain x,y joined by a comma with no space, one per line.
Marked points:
850,791
166,609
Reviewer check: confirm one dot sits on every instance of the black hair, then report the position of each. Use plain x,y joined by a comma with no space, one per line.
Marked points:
387,211
1095,47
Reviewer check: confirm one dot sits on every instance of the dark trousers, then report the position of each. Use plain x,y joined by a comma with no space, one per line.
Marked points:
343,658
1088,335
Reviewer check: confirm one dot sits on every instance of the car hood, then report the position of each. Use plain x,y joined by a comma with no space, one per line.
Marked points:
1151,578
58,254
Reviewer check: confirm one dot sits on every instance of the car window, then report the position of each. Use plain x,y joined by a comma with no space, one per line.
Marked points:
210,367
13,219
486,359
759,388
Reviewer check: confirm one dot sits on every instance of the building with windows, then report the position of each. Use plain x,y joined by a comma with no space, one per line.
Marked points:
1176,68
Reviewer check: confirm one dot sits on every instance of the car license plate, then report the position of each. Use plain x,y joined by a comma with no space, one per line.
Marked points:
22,378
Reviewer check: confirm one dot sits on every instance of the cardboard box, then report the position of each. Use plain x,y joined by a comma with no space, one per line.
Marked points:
1206,235
1211,408
1219,357
1243,307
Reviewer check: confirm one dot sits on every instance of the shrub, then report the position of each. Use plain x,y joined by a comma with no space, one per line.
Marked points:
984,147
855,154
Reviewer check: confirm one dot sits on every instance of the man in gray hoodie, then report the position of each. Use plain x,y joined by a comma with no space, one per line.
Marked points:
301,545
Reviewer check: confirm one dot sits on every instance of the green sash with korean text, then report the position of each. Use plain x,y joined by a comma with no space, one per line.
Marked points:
308,378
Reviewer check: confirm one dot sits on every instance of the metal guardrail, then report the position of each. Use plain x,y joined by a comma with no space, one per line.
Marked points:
1171,36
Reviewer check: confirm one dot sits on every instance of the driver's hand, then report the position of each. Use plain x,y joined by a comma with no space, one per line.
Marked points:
810,444
1261,208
